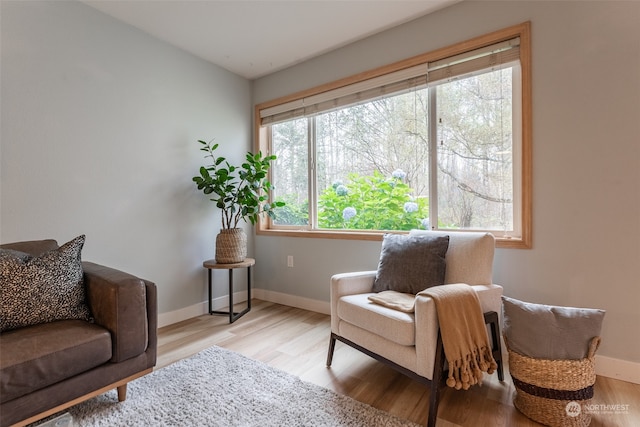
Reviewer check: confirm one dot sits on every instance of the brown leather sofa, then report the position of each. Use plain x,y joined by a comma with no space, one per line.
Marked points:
48,367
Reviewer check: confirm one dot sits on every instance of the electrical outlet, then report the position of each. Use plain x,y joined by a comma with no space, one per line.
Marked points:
290,261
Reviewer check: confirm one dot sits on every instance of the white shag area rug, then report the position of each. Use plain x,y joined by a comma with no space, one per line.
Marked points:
218,387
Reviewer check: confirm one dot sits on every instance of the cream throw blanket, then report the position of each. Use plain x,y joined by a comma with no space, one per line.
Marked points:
464,335
395,300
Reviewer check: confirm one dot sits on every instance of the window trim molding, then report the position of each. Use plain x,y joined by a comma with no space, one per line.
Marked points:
523,31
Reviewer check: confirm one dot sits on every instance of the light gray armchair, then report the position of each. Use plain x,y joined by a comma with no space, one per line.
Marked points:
410,342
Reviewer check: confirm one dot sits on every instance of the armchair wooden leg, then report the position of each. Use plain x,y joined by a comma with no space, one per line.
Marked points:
438,380
436,383
332,347
122,393
491,318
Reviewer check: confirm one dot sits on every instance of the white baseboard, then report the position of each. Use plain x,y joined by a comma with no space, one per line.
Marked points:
619,369
605,366
323,307
165,319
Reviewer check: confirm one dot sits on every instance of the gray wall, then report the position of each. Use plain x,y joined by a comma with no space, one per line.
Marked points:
586,158
99,122
99,129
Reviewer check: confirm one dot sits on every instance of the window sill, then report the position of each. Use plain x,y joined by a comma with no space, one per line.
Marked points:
501,242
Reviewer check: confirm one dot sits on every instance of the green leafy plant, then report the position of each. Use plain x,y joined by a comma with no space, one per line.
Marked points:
241,192
372,202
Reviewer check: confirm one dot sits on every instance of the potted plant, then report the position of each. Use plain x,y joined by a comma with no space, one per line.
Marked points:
241,193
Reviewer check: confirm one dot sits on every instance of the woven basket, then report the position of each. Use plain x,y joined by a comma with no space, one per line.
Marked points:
231,246
554,392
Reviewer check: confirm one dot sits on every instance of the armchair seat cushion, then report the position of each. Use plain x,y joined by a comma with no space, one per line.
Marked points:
37,356
394,325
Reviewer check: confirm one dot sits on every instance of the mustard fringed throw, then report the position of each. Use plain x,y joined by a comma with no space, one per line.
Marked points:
464,335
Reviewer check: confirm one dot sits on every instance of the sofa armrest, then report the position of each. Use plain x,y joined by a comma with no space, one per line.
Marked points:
125,305
427,323
490,297
359,282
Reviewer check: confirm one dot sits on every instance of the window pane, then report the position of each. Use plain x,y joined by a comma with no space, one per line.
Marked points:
367,164
475,152
290,174
372,164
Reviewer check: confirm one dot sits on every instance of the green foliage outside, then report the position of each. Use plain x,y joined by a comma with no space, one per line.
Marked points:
292,213
372,203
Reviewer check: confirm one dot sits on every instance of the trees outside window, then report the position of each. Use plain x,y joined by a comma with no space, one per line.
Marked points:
441,153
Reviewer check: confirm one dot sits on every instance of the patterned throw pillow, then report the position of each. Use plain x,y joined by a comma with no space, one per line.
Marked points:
410,264
42,289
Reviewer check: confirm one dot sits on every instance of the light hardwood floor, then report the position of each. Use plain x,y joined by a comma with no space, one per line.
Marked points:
296,340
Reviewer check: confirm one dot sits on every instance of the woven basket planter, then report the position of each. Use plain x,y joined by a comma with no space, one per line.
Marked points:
554,392
231,246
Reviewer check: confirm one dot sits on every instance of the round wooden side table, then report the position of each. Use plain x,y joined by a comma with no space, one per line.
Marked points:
210,265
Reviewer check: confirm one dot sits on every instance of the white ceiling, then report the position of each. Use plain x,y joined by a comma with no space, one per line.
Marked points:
253,38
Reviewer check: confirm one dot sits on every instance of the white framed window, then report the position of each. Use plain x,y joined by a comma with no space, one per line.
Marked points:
440,141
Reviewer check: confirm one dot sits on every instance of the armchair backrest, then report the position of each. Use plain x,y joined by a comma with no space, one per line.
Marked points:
469,257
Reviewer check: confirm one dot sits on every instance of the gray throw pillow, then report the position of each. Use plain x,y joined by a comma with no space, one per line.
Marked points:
550,332
410,264
42,289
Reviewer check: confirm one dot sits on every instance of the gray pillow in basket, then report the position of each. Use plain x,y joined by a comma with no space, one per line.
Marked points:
550,332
